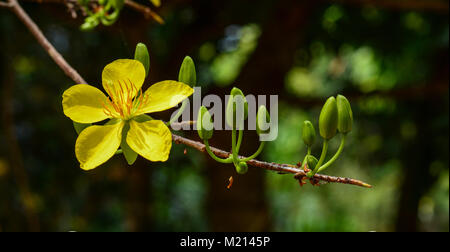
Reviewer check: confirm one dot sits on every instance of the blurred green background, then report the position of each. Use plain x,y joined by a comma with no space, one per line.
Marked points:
389,58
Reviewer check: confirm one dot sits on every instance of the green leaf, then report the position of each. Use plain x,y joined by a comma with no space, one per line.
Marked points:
79,127
129,154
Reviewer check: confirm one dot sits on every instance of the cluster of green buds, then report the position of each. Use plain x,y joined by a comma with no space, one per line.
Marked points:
105,12
235,115
336,116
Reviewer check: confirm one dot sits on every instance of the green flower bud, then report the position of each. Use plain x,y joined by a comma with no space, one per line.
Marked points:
141,54
242,168
328,119
187,73
204,124
236,99
308,133
311,161
345,115
262,119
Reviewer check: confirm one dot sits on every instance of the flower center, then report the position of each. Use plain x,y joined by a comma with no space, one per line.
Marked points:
124,99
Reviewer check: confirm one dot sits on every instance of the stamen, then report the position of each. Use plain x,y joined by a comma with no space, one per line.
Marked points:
106,110
130,96
125,99
133,87
109,91
139,100
117,108
121,93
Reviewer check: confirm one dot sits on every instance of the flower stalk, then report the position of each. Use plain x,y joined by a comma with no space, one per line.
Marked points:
336,115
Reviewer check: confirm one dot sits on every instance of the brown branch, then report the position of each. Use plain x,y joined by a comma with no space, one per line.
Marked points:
282,168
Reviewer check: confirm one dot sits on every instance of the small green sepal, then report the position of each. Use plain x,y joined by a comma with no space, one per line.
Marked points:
79,127
308,133
242,168
311,161
205,126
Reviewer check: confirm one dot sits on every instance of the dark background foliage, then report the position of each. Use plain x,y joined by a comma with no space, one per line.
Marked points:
390,58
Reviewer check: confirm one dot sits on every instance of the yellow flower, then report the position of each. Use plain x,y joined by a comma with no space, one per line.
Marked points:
126,106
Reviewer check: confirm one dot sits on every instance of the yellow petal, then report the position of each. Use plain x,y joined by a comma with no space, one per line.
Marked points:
150,139
96,144
84,104
124,76
165,95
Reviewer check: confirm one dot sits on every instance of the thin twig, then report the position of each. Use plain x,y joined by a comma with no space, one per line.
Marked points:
282,168
5,5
